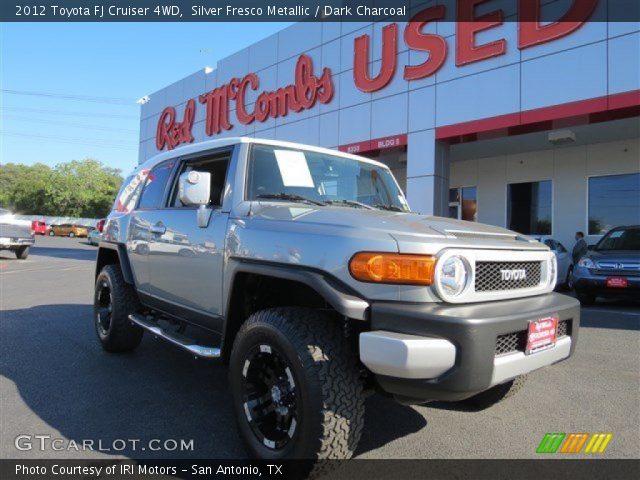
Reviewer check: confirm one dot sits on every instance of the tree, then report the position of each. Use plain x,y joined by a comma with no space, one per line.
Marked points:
83,188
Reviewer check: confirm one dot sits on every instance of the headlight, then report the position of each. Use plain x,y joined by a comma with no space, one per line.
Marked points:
553,270
586,262
452,276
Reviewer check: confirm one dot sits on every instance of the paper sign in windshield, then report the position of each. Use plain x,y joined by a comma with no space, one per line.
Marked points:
294,169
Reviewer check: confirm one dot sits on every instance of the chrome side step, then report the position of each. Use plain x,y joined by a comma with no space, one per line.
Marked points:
182,341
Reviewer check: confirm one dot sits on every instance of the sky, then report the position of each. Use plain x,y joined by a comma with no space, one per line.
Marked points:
113,64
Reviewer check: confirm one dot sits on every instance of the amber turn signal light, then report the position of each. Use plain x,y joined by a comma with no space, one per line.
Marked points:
381,267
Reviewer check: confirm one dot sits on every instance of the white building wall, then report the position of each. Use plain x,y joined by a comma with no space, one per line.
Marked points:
569,169
597,60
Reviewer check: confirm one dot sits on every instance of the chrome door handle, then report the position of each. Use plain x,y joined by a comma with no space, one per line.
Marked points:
158,229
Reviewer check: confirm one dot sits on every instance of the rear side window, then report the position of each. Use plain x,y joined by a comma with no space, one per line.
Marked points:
155,186
130,191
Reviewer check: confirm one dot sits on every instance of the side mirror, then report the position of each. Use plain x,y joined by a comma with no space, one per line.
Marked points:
194,188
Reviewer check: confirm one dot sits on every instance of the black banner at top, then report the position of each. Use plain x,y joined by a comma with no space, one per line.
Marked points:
542,11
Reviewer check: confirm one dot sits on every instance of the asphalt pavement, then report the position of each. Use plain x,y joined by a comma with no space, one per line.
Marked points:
57,382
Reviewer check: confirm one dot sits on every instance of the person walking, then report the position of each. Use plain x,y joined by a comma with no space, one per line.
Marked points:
580,249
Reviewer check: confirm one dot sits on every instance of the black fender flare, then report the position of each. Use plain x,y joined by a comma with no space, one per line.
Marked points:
106,250
340,296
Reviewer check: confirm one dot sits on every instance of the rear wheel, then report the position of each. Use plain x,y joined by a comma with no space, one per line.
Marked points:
22,253
114,300
488,398
71,234
296,386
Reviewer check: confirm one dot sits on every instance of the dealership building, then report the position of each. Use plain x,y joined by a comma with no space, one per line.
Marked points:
531,126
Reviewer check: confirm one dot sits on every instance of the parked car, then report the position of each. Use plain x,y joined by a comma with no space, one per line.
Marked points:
611,268
321,285
15,235
68,230
563,258
39,227
95,234
94,237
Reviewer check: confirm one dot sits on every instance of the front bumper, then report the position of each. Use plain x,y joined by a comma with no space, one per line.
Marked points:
421,352
584,281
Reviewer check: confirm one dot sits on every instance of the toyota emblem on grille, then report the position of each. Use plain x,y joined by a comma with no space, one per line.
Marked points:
514,274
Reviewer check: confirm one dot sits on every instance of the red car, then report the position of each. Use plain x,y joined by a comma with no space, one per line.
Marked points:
39,228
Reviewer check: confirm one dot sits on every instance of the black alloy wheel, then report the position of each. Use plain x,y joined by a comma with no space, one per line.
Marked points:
269,395
104,308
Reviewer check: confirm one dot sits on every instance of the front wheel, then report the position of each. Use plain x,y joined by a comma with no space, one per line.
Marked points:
296,386
71,234
22,253
114,300
52,233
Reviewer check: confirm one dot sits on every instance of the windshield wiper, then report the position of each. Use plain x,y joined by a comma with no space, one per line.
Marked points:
391,208
351,203
290,197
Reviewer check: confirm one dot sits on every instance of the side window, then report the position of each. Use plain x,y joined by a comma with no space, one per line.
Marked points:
155,185
217,167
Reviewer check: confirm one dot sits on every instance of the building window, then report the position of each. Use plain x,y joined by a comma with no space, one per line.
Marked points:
614,200
463,203
529,207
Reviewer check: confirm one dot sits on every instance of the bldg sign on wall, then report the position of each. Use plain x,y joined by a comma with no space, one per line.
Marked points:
308,89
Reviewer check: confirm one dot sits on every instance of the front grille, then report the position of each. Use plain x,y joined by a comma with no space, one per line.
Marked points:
517,341
489,276
14,231
511,342
564,328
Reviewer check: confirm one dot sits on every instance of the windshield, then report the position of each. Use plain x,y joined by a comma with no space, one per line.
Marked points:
295,175
620,239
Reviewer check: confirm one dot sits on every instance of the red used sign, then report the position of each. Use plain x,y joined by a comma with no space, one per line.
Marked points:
469,26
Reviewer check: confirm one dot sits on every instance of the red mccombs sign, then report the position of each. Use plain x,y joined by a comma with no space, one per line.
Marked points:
308,89
303,94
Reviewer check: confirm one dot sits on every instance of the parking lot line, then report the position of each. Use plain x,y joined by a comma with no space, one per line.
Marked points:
607,310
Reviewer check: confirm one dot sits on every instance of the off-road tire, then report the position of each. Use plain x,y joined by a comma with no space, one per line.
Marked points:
121,335
488,398
328,392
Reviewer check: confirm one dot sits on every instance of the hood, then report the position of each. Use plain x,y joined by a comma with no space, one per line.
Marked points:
408,229
614,255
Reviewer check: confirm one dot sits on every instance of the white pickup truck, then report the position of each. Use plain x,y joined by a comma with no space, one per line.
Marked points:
15,235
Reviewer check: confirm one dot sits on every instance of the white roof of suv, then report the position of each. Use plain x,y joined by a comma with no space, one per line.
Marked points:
224,142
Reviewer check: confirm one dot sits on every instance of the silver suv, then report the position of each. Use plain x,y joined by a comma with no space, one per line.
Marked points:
304,270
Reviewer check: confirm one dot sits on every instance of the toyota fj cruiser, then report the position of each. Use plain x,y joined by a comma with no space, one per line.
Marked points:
304,270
